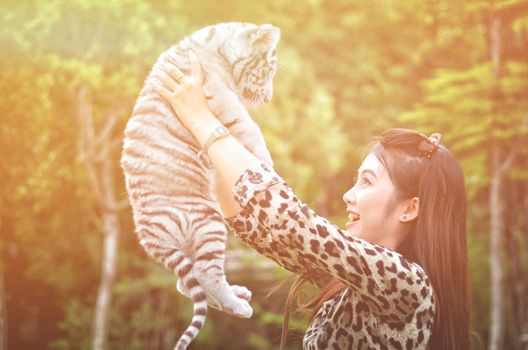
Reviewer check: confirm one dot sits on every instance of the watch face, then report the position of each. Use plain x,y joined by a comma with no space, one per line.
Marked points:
221,130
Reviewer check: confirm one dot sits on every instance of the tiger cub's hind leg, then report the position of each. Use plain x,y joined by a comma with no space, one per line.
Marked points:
209,254
157,233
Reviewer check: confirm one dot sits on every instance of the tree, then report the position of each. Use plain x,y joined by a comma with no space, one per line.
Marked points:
482,109
96,150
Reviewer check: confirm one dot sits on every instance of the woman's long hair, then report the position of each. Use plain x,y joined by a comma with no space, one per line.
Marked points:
437,237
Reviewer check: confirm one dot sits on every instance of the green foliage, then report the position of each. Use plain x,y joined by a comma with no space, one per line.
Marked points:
463,105
348,70
76,334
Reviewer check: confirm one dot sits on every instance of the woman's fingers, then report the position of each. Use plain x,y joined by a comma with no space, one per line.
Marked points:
174,72
172,76
168,81
163,92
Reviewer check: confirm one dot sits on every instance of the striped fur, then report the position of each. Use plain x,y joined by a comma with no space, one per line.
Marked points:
176,216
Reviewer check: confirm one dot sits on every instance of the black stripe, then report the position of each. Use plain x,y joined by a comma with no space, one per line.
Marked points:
200,311
182,272
179,260
189,334
175,219
173,265
193,282
211,255
234,65
247,66
144,231
221,274
197,324
150,224
152,170
194,203
217,233
136,183
199,297
207,211
168,252
152,247
250,66
166,170
198,226
160,226
138,135
212,239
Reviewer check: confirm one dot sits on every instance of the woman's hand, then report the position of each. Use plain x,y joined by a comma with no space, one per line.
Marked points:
185,94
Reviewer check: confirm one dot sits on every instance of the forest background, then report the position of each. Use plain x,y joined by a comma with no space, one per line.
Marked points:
72,275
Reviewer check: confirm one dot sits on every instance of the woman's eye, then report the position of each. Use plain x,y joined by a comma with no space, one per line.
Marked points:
365,181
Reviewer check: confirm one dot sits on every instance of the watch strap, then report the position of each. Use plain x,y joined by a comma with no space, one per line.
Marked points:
217,134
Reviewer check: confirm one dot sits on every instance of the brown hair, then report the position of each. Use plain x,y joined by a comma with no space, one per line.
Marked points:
437,238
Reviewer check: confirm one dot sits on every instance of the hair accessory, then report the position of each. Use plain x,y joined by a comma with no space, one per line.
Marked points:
430,144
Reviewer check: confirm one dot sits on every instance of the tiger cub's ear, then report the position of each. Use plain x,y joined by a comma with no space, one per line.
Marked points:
265,34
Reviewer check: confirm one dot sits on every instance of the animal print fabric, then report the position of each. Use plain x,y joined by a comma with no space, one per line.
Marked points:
389,302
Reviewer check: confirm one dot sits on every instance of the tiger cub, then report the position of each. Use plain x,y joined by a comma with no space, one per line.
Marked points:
170,182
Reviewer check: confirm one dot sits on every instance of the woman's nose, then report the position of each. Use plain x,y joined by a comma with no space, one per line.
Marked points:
349,197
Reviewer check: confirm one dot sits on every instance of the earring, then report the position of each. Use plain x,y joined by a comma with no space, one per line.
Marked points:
404,218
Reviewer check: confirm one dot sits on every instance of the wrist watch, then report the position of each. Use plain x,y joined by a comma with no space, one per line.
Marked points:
217,134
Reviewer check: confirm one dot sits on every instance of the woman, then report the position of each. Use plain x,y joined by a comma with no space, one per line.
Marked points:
397,277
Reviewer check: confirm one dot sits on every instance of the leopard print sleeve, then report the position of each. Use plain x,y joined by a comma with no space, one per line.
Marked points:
249,229
278,225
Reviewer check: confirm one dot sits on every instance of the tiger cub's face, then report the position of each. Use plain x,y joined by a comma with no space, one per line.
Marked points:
255,65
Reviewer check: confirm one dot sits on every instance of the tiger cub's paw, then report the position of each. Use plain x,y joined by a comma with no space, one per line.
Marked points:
241,292
239,308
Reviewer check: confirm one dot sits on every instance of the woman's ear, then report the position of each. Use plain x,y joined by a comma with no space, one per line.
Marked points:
410,210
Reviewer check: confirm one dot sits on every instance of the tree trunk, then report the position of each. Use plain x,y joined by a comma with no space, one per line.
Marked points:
108,271
497,228
95,151
496,208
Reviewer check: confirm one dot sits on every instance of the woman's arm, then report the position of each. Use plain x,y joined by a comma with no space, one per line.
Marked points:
224,196
276,223
186,97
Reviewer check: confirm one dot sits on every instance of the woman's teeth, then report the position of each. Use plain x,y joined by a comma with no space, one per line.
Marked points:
353,216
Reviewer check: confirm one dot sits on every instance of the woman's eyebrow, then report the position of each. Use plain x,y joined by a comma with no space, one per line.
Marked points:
368,171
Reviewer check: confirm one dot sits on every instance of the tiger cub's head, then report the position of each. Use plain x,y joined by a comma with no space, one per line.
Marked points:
250,55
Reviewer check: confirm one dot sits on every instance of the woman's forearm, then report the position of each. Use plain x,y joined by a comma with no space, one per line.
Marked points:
225,198
186,97
230,159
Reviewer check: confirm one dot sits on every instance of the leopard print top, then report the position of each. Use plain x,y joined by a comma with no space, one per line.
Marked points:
389,301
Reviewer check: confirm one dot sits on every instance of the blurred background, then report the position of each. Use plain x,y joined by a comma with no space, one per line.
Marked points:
72,275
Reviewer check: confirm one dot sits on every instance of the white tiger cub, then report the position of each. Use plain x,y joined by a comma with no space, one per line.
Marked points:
170,183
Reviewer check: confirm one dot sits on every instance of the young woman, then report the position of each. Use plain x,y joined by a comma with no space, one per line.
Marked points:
397,277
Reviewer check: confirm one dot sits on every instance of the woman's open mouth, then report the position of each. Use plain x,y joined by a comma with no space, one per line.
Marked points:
353,217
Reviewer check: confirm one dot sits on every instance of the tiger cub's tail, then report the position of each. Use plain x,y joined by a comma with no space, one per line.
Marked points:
184,271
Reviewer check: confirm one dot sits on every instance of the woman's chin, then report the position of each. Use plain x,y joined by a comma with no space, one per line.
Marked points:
352,228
